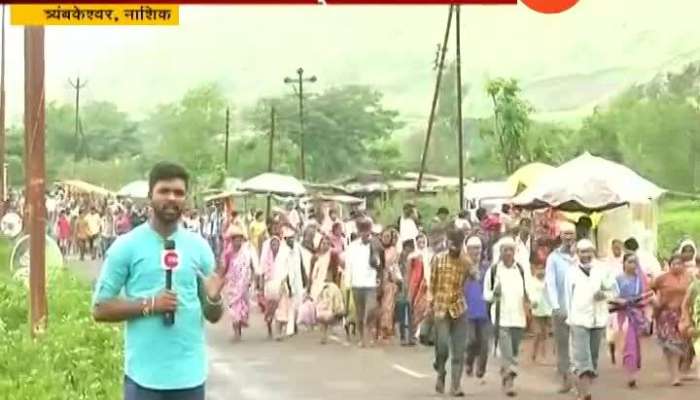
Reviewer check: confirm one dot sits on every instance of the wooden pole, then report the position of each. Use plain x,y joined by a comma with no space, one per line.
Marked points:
34,114
269,156
3,195
460,122
436,93
78,137
227,136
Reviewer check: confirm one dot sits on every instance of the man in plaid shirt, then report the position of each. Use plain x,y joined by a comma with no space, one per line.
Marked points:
450,269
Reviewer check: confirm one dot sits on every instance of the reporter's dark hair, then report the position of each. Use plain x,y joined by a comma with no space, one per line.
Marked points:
165,171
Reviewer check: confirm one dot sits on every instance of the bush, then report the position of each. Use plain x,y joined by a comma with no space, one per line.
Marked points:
75,359
388,212
677,219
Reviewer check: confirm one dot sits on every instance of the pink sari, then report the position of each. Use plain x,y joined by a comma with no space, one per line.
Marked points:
267,304
388,296
239,267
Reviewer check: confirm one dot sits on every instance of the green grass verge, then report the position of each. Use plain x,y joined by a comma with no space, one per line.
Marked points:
678,219
75,358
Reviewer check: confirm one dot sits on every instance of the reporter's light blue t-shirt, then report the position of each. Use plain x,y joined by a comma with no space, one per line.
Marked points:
158,356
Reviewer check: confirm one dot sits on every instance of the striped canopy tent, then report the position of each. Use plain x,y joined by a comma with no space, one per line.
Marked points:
75,185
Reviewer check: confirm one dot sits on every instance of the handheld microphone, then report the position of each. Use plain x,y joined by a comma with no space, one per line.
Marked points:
170,261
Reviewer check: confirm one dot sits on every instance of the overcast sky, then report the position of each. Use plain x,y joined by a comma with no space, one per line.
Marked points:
249,50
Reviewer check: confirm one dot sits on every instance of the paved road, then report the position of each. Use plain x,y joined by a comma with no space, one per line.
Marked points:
303,369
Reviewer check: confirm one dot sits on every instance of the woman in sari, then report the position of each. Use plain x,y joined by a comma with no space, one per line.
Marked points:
269,294
319,265
688,251
631,323
389,286
240,263
670,289
691,316
418,280
326,295
257,230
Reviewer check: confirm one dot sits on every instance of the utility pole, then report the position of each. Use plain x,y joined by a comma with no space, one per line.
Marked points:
300,81
269,155
460,122
77,86
226,145
34,125
3,183
435,98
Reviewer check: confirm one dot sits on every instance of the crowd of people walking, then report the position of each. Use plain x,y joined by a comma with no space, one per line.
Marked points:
465,285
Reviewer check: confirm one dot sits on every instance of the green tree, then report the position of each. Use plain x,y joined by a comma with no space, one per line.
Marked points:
341,124
189,131
511,122
443,156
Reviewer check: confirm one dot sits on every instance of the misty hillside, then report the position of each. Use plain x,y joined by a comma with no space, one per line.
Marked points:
566,63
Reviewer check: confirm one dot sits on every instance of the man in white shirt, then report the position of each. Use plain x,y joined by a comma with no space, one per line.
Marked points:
362,264
408,227
558,263
588,287
94,222
507,287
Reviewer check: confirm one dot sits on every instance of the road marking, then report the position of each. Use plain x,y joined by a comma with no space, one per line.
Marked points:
409,372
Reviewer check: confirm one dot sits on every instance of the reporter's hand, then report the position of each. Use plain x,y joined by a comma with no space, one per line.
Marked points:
165,301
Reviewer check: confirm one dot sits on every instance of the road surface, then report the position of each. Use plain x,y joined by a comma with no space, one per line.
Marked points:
300,368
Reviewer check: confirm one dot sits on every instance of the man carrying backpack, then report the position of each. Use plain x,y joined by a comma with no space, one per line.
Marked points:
507,288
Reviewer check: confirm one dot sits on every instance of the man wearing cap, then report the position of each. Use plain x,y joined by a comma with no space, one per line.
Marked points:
293,282
450,270
478,323
507,287
588,287
559,262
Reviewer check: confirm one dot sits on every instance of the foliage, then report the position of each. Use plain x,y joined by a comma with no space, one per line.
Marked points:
340,126
387,212
443,156
677,219
653,125
75,359
511,122
190,131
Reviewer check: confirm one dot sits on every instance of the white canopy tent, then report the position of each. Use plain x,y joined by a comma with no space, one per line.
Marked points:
135,189
628,202
271,183
588,183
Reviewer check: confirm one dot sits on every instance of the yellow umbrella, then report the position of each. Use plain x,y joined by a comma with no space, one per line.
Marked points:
529,175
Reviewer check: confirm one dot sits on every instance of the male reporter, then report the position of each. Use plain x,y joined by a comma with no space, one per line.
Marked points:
162,361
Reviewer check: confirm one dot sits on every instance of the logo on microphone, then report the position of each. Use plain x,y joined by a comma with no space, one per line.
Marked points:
170,259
